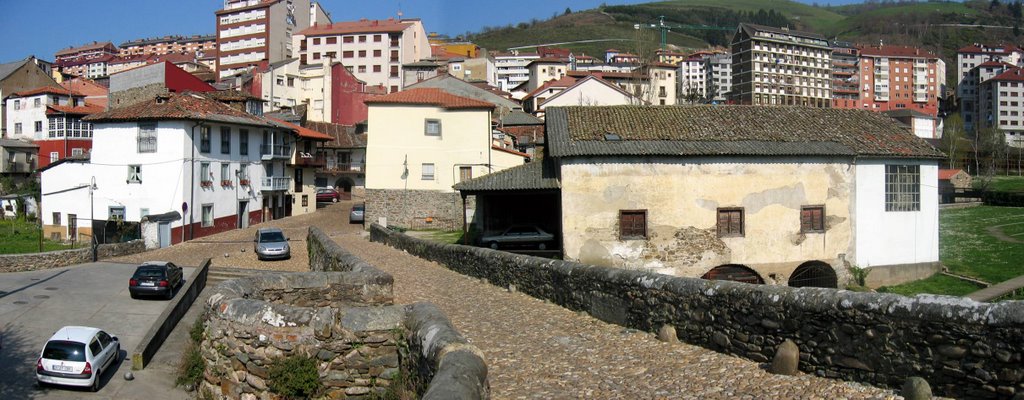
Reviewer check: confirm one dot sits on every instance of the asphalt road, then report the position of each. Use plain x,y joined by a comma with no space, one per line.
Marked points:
35,304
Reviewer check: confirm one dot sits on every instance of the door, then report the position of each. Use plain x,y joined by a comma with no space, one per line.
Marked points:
288,199
72,226
164,234
243,214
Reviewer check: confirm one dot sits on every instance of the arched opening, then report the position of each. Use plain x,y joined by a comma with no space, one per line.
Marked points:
814,274
344,186
734,272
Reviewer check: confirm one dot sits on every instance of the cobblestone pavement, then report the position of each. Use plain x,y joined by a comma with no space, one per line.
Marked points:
534,349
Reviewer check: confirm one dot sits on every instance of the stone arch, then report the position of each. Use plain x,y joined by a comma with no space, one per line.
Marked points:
814,274
344,184
734,272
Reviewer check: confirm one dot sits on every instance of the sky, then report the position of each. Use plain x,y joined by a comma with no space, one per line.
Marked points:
41,28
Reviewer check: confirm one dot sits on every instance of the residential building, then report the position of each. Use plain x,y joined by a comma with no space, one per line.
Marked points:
970,57
252,31
420,142
511,68
18,159
545,69
846,75
306,159
718,69
373,50
318,15
459,87
344,158
330,92
568,91
88,51
204,163
670,57
18,76
142,83
779,195
126,62
171,44
693,80
479,69
922,125
95,94
1001,105
651,84
52,119
92,68
422,70
779,66
898,77
972,85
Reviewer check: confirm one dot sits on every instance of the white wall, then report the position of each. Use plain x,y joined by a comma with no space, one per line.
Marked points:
885,237
589,93
27,117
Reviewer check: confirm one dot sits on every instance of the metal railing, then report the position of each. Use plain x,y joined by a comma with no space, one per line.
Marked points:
278,150
275,183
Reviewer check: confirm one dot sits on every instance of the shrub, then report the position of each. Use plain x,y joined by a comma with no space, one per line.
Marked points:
295,377
196,333
192,366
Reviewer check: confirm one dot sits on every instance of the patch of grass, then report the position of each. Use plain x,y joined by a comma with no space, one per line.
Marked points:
192,366
1006,184
971,244
439,236
21,236
295,377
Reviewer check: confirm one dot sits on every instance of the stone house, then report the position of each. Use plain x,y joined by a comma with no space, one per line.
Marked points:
420,142
951,181
783,195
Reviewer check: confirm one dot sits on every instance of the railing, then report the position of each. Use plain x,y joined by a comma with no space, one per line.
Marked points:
274,183
345,167
271,151
312,161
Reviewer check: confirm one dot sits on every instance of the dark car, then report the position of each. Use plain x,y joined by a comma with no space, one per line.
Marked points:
357,214
271,244
519,235
324,195
155,278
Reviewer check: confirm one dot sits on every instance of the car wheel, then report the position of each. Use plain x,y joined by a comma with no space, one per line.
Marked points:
334,200
494,245
96,381
133,295
41,384
170,293
542,246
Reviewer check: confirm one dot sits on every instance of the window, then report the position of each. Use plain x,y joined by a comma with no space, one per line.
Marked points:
17,104
207,215
376,53
347,39
116,213
332,40
147,137
205,177
37,102
361,69
394,71
54,156
17,128
298,180
376,68
77,151
812,219
56,218
134,174
428,172
243,142
316,40
376,38
362,38
902,188
465,173
632,224
225,174
143,213
204,139
432,127
347,54
730,222
305,200
225,140
39,126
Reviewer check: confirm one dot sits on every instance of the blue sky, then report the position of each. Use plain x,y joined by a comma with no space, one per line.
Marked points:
43,27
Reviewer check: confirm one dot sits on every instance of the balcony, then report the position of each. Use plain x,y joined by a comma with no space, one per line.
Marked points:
310,161
341,168
272,151
274,183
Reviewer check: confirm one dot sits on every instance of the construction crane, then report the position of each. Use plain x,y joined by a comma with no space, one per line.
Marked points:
666,28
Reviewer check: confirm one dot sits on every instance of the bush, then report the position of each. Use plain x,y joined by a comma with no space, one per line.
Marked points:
196,333
295,377
192,366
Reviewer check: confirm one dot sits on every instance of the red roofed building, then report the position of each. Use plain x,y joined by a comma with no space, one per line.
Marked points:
422,141
95,94
973,88
969,57
373,50
252,31
1001,105
52,118
88,60
896,78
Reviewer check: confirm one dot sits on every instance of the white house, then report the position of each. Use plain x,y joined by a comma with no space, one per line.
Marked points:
219,167
589,91
51,117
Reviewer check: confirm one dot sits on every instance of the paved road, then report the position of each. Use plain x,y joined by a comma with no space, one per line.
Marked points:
35,304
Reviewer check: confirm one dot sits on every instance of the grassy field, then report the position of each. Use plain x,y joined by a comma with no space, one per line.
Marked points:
982,242
437,236
19,236
1005,184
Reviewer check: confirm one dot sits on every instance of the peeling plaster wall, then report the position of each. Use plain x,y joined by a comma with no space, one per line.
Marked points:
682,196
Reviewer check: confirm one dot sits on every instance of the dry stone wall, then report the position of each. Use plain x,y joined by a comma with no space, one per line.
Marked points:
962,348
416,209
342,316
64,258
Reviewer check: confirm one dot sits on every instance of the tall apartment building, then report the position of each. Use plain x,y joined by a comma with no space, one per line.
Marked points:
692,79
253,31
969,57
373,50
779,66
718,69
89,61
172,44
1001,104
511,68
88,51
971,103
896,78
845,75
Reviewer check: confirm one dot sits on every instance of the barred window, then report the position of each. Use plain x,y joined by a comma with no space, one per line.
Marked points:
902,188
632,224
147,137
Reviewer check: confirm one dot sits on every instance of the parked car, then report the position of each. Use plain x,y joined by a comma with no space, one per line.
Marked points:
324,195
519,235
271,244
155,278
357,214
77,356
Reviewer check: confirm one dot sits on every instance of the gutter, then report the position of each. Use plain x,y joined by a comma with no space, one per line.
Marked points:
192,189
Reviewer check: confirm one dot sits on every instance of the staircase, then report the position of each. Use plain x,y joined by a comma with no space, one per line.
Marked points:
216,275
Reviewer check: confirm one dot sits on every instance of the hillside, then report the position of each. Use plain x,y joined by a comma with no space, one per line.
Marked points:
936,26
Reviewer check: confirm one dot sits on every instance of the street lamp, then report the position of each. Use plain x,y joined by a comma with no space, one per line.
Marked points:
92,215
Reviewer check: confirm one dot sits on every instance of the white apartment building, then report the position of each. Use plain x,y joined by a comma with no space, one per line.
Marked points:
372,50
1001,105
718,69
545,69
252,31
692,79
511,69
52,119
779,66
972,84
969,57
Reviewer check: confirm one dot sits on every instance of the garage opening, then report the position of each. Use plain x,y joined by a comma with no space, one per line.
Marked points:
814,274
734,272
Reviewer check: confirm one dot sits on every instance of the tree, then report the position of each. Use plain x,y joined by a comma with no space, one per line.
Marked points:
567,11
952,140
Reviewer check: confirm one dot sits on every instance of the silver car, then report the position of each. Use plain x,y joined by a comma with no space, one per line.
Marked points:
271,244
519,235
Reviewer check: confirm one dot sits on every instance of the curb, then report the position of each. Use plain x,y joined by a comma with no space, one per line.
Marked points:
156,335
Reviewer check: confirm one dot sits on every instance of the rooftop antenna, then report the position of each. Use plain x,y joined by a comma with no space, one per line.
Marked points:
399,10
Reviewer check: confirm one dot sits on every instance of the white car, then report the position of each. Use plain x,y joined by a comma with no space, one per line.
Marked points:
77,356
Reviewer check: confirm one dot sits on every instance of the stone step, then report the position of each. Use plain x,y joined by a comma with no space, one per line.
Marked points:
220,274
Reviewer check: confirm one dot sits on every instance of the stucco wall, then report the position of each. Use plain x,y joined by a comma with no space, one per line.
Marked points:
965,349
682,198
892,238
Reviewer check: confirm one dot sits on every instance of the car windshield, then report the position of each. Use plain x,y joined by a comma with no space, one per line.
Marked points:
149,273
357,208
64,351
271,237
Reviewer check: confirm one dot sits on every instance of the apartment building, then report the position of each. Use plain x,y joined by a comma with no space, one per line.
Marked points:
330,92
88,51
251,31
693,79
896,78
373,50
970,57
718,69
170,44
779,66
51,117
511,68
971,103
845,75
1001,105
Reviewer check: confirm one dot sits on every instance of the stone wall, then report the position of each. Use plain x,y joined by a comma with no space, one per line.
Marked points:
416,209
344,319
963,348
64,258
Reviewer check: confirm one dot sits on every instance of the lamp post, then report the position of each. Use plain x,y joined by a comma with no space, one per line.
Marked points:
92,214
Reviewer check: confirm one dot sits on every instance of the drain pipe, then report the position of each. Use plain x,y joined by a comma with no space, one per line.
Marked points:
192,188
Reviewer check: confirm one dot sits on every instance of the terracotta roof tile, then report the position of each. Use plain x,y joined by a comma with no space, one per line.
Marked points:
1012,74
88,109
182,106
431,96
47,90
563,83
979,48
945,174
896,51
304,132
342,136
361,26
